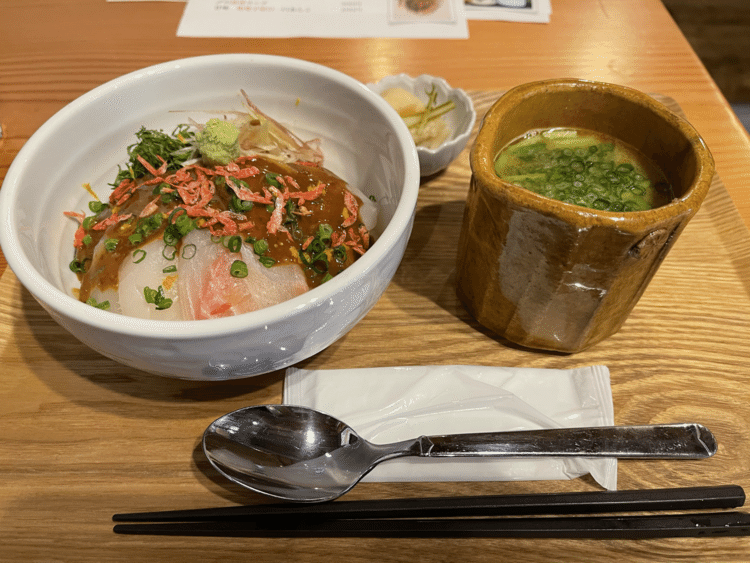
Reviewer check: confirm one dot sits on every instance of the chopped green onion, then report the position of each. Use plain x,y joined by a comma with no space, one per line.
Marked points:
238,269
317,247
320,265
139,255
158,189
87,240
104,305
78,266
600,203
97,206
188,251
271,179
339,254
239,205
235,243
176,212
168,197
169,269
325,231
169,237
169,252
290,216
145,227
624,168
239,183
260,247
267,261
157,297
110,244
89,222
179,226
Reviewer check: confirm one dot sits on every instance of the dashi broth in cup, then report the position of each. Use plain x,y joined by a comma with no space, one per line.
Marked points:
551,275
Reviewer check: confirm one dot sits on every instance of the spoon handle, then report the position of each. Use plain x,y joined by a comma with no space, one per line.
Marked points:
660,441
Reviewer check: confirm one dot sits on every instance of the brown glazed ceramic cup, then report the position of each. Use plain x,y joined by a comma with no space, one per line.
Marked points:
550,275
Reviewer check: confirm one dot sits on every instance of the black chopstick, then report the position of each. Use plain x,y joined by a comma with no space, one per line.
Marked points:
581,527
687,498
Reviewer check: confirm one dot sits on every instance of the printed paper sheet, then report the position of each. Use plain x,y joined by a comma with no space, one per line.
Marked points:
324,18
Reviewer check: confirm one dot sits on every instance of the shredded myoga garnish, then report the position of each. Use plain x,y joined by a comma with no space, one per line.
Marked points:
217,219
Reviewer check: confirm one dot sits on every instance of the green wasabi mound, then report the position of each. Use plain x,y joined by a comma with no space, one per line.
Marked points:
218,143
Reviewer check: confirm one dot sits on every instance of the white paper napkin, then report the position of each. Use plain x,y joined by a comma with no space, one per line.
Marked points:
391,404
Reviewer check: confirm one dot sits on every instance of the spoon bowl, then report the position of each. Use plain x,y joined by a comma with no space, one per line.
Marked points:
288,452
302,455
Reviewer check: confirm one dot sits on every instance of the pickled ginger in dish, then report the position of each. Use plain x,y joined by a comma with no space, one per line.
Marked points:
254,222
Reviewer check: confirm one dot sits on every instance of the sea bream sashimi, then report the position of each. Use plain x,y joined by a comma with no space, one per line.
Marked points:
207,289
146,272
188,237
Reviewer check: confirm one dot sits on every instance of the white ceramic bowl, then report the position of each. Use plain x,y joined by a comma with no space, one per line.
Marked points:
460,120
363,139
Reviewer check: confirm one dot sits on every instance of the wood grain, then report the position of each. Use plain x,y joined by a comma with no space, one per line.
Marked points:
82,437
718,33
48,60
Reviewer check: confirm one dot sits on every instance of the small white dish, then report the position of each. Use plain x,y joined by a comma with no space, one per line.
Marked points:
461,119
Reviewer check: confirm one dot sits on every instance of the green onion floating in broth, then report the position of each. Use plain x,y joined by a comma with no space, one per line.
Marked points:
584,168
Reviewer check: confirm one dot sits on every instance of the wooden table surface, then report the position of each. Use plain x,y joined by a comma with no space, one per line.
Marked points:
82,437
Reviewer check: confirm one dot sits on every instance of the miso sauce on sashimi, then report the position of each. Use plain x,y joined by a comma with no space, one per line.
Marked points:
207,240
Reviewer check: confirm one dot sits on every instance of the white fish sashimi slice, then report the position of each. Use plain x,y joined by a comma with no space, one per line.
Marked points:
135,277
208,290
103,295
368,213
109,295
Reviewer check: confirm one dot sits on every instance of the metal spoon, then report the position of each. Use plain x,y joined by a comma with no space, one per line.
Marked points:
299,454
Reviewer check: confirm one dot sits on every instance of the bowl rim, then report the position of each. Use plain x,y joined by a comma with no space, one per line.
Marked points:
483,169
68,307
